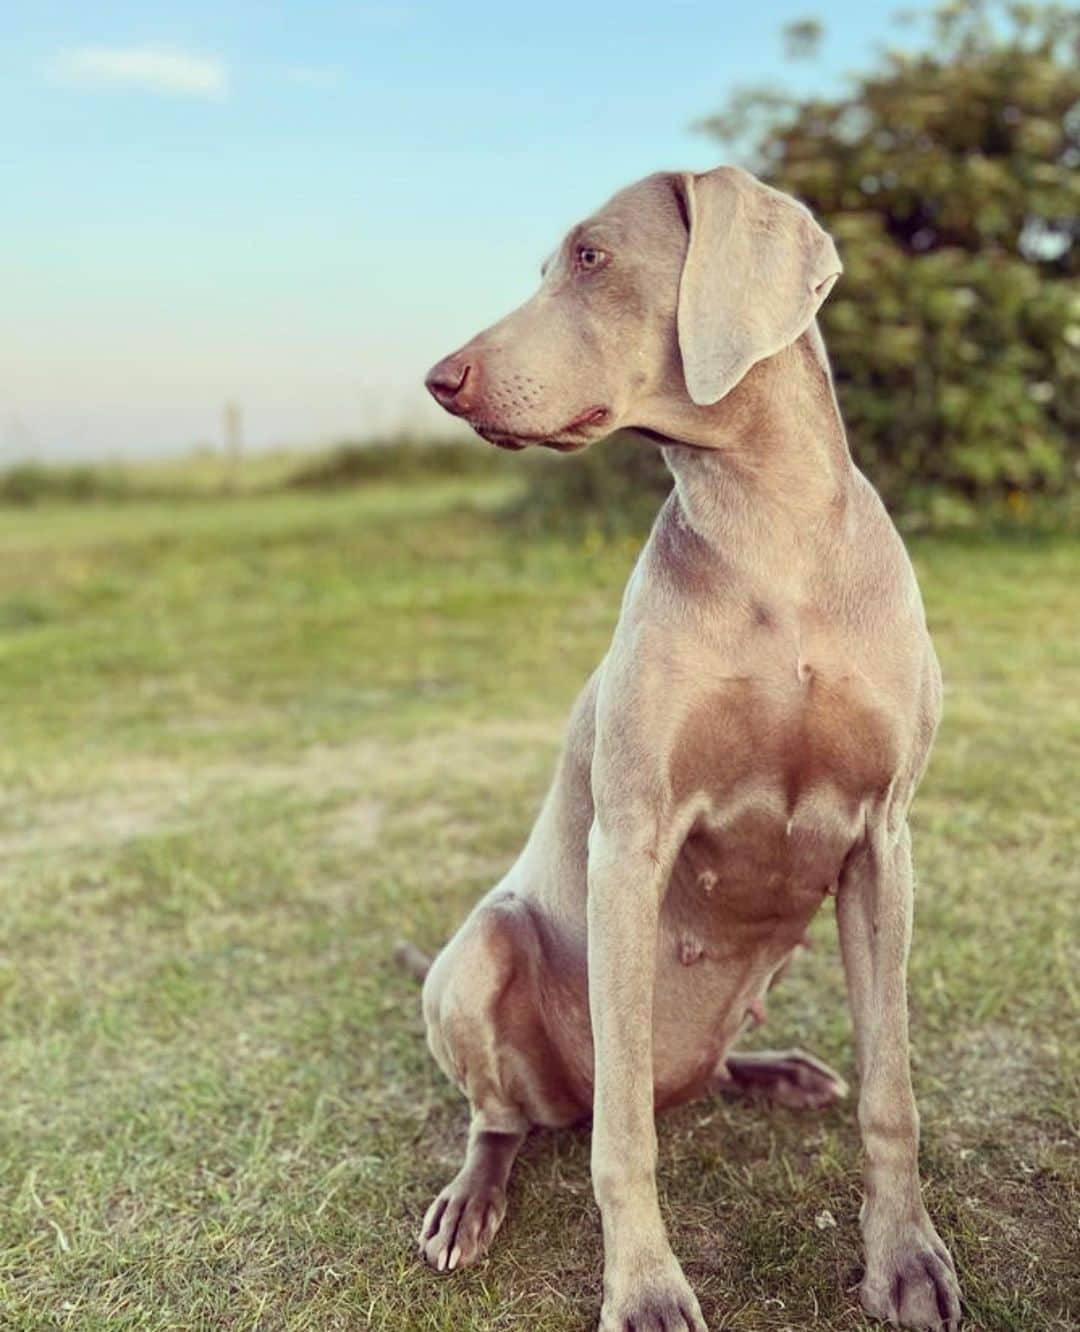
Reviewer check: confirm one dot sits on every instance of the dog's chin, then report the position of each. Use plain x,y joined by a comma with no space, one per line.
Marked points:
502,439
571,438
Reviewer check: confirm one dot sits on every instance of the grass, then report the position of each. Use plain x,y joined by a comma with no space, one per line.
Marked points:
249,743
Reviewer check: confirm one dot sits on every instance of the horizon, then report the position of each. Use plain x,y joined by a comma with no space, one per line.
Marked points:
300,216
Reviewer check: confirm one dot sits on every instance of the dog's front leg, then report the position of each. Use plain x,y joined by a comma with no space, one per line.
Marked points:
910,1278
629,866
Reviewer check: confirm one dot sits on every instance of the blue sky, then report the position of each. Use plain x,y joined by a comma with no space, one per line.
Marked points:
301,206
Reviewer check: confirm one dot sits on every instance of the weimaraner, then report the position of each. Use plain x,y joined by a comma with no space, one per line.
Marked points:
749,745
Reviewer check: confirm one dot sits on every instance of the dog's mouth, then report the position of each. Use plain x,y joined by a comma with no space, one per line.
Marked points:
573,436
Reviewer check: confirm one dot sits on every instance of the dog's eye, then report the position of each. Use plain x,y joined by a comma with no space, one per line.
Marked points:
589,257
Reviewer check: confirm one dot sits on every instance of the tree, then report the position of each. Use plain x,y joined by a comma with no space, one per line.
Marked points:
949,178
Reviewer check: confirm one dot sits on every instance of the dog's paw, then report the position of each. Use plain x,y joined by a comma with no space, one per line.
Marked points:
461,1223
912,1281
657,1301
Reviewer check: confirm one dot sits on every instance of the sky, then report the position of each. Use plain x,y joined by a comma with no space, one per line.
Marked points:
299,207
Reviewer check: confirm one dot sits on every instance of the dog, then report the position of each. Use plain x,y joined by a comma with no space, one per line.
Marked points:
749,746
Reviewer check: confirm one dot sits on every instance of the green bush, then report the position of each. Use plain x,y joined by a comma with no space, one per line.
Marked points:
613,486
406,456
29,483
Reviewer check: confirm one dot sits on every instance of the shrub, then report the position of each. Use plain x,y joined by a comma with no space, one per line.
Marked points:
29,483
406,456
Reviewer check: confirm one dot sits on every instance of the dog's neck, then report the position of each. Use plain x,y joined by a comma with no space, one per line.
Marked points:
772,452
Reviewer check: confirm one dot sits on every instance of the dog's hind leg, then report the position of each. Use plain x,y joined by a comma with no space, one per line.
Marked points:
486,1031
463,1219
789,1077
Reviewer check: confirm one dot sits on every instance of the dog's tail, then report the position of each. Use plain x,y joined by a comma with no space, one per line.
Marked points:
410,957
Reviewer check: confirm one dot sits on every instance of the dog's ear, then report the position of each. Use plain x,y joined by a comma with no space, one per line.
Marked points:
757,268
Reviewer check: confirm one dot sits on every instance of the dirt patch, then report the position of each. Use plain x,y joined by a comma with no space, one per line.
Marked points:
101,819
147,796
356,827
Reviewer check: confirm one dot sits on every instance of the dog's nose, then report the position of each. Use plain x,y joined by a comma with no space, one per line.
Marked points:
446,382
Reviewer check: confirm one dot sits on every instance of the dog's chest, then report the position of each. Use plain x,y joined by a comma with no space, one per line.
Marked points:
783,763
790,721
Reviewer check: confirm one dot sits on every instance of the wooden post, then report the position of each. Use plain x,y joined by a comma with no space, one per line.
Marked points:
233,432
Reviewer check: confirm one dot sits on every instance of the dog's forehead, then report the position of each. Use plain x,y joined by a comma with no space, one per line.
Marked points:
648,205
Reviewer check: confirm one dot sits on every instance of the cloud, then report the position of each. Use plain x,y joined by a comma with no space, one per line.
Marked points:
321,80
156,68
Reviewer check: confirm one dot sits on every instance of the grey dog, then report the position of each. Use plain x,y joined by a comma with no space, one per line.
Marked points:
750,745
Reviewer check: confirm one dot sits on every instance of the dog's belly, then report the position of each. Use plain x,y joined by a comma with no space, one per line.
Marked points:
742,894
740,899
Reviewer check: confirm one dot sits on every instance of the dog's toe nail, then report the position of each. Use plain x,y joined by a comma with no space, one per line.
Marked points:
455,1257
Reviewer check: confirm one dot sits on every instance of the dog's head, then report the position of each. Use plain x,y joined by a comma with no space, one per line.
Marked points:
676,287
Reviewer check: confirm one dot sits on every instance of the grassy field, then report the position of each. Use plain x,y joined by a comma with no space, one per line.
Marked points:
249,743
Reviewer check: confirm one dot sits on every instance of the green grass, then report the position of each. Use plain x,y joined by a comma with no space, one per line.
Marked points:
249,743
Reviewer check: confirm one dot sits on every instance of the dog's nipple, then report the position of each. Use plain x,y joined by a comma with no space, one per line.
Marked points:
690,951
